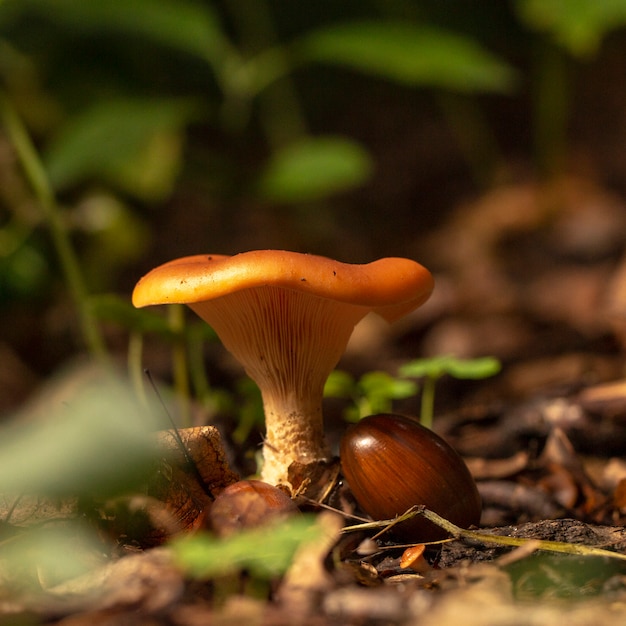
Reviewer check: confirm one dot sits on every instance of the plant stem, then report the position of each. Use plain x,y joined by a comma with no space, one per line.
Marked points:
197,371
135,368
176,317
427,409
475,139
550,108
280,112
38,179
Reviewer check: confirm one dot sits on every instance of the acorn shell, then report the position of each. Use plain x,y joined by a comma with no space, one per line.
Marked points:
391,463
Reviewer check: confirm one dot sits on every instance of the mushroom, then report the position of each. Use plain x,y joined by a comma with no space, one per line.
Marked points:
287,318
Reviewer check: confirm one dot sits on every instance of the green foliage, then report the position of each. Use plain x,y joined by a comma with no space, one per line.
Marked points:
184,25
410,54
436,367
577,25
265,552
568,27
372,393
432,369
133,140
314,168
24,272
92,440
132,143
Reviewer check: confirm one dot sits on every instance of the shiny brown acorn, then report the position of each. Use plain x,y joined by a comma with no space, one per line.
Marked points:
249,504
391,463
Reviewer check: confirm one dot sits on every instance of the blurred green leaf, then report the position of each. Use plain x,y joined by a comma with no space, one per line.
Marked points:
185,25
114,308
53,553
380,388
474,369
577,25
339,384
372,393
87,435
315,168
414,55
24,272
265,552
150,173
458,368
105,139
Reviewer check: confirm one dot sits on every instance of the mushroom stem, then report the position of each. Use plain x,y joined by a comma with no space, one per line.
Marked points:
294,433
288,342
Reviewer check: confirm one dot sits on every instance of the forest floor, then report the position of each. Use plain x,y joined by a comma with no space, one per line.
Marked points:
534,275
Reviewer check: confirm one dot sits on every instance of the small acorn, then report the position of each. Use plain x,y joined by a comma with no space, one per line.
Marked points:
248,504
391,462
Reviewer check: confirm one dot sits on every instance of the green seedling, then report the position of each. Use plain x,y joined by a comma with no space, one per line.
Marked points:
432,369
372,393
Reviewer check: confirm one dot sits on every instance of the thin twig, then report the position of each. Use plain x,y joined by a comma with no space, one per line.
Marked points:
483,537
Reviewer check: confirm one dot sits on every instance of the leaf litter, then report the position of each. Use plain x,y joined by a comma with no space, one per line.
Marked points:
543,439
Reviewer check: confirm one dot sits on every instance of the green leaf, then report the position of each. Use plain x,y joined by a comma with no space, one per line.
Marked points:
378,389
409,54
372,393
191,27
433,367
265,552
150,172
339,384
109,136
475,369
315,168
87,435
381,386
458,368
577,25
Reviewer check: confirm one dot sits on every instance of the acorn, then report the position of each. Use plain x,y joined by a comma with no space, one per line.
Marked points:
249,504
391,462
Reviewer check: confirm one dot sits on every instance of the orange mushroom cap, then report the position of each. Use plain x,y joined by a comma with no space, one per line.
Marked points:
391,287
287,317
